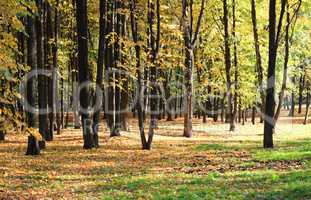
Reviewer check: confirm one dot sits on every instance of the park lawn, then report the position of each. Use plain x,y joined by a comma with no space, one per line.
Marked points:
214,164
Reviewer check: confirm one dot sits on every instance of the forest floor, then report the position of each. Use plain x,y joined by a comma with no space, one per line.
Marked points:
214,164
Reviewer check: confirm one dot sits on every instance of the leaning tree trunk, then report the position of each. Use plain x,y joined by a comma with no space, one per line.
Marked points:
84,76
286,58
259,67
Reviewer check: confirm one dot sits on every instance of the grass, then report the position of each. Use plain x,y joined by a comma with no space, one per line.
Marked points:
212,165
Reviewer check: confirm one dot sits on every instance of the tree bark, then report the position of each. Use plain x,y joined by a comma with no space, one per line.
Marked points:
84,76
49,64
259,67
236,72
286,58
270,102
33,145
42,96
100,68
190,35
307,108
227,57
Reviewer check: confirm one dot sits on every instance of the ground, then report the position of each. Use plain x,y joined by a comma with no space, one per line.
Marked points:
214,164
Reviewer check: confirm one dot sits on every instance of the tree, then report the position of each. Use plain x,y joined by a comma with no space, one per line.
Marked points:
259,68
42,94
84,76
33,144
236,69
273,47
100,66
190,35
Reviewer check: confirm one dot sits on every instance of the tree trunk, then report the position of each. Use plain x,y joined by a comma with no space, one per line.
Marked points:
190,35
49,64
307,108
259,67
2,135
33,145
236,75
253,115
100,68
84,76
189,91
286,58
227,58
42,100
55,66
293,104
301,89
270,102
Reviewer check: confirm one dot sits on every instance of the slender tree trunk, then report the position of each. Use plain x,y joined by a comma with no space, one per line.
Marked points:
307,108
2,135
140,81
42,96
253,115
100,68
286,58
301,89
293,105
236,75
84,76
227,55
259,67
222,114
55,66
49,64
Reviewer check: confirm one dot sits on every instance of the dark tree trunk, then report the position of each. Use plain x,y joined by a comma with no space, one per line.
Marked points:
253,115
42,95
227,55
2,135
33,145
84,76
270,102
293,105
153,11
236,75
307,108
286,58
48,61
301,89
222,114
55,66
100,68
